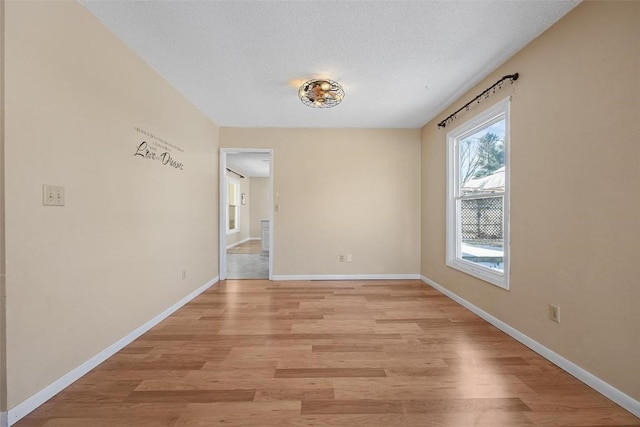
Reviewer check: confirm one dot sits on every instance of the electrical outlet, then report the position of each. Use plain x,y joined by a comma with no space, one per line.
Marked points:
52,195
342,258
349,258
554,313
184,274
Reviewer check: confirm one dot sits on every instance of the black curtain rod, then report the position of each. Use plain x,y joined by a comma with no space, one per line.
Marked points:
232,171
485,93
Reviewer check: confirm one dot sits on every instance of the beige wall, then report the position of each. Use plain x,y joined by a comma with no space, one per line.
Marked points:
3,339
82,276
347,191
243,214
259,205
575,193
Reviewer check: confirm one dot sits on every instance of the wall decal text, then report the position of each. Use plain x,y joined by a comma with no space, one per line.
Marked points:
155,148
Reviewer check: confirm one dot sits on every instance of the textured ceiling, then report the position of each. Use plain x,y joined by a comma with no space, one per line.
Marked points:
250,164
400,62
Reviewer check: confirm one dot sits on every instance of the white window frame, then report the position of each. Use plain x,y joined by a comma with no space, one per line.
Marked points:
454,258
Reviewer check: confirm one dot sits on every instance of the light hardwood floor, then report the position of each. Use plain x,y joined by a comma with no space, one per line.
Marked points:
357,353
248,247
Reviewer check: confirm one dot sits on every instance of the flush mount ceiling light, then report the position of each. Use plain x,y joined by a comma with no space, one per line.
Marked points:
321,93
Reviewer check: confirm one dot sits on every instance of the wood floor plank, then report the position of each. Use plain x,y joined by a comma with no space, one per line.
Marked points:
302,394
329,373
488,419
346,348
509,404
205,382
426,388
330,407
104,376
136,350
237,414
191,396
584,418
418,372
326,353
122,422
55,408
99,391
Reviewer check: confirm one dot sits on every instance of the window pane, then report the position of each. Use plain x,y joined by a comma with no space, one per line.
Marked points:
232,194
232,217
481,160
481,239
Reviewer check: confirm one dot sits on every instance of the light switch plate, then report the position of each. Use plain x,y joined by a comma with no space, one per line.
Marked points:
52,195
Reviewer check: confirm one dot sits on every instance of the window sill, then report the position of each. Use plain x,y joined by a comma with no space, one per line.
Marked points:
488,275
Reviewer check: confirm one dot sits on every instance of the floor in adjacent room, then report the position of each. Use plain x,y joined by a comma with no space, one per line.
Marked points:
353,353
246,261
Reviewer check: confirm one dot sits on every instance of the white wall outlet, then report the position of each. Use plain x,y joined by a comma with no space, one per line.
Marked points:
554,313
349,258
342,258
52,195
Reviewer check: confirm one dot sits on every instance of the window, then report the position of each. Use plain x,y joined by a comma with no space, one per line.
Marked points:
478,193
233,195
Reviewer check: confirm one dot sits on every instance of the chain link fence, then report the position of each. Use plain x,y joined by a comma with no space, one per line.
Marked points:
481,220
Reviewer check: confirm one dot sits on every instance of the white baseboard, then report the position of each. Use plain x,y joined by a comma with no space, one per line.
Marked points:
622,399
347,277
24,408
3,419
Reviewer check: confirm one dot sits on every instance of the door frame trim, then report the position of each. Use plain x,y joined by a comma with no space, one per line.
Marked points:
222,226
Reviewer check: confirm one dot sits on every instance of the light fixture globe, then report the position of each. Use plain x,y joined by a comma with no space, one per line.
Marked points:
321,93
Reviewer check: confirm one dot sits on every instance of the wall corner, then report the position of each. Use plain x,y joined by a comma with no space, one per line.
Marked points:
3,307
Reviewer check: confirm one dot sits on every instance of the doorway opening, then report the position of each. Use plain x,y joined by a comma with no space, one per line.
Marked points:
246,214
